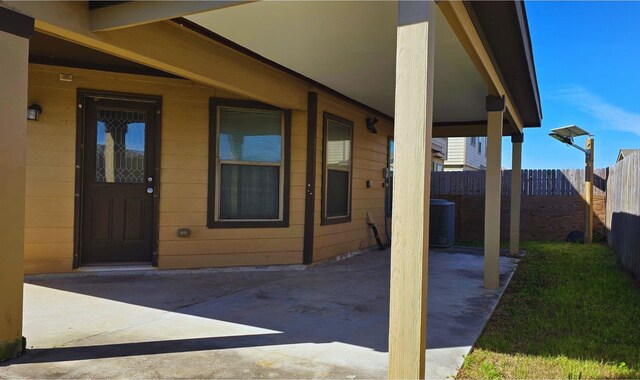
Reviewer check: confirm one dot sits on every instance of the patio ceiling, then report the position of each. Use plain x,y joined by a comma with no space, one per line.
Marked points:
351,47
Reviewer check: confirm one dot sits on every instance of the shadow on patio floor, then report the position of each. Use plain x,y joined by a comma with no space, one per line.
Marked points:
331,318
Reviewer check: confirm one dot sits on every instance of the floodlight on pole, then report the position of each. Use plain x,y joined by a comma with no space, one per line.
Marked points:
565,135
562,139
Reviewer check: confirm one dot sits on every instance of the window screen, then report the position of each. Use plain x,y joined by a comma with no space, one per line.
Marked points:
338,152
249,192
248,135
250,164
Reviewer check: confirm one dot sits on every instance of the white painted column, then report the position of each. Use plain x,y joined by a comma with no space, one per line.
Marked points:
412,175
516,192
495,111
13,152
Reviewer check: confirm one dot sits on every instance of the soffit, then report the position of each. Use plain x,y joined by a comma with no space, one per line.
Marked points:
350,47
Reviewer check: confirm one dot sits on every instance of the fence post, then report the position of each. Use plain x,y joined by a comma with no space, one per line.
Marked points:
516,167
588,191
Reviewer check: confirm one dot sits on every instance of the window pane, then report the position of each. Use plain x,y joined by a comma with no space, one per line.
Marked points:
249,192
250,135
338,146
337,193
120,146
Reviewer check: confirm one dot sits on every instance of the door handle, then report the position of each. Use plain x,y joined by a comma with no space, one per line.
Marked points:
149,190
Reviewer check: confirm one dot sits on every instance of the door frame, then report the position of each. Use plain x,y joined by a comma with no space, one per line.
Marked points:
82,96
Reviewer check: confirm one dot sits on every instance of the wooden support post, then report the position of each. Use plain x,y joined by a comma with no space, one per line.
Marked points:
13,152
588,191
495,110
310,191
516,193
412,175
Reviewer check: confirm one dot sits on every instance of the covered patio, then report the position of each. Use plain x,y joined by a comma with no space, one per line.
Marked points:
422,69
328,321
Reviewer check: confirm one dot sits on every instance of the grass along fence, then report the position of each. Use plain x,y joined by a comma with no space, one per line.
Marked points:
569,313
623,212
553,205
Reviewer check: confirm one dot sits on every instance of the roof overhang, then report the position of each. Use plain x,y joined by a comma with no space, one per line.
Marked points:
348,47
113,15
354,54
504,29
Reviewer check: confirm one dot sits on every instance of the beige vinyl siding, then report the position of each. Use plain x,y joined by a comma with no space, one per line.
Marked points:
455,153
221,247
473,159
183,181
369,160
440,144
50,176
464,156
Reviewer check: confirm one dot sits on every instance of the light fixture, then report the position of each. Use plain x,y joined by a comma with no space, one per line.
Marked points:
562,139
33,112
566,135
371,122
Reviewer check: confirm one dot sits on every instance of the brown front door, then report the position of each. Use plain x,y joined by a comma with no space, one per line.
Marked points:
118,184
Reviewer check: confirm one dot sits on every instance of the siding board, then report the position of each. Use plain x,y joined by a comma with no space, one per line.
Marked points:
183,186
369,160
183,183
229,260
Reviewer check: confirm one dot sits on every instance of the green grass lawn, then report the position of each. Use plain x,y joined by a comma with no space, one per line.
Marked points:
569,312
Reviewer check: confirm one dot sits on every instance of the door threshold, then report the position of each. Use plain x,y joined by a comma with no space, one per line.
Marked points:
116,267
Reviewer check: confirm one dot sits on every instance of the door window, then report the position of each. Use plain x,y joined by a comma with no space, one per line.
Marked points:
120,146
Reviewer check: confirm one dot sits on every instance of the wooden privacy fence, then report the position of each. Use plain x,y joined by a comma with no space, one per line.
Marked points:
553,205
623,211
533,182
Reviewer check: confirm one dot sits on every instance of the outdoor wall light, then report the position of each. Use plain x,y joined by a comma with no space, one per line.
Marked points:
33,112
371,122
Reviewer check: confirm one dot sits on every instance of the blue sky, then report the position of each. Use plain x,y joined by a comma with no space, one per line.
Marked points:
134,140
587,57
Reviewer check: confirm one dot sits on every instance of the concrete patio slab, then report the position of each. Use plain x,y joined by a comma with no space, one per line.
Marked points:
329,321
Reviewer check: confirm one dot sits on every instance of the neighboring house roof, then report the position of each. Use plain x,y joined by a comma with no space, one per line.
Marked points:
625,153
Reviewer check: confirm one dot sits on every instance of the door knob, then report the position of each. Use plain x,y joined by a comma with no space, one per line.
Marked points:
149,190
